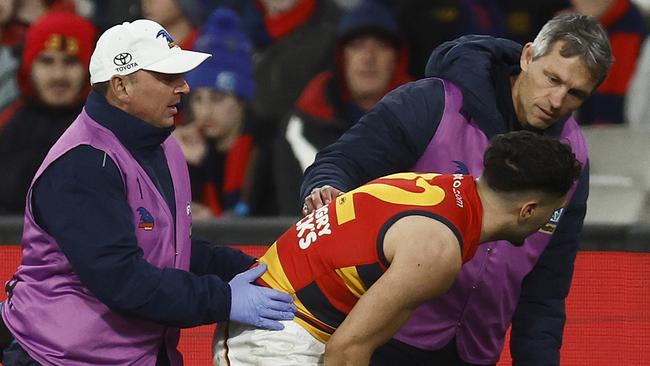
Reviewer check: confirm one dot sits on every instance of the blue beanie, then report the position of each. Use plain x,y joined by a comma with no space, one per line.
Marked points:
230,69
369,17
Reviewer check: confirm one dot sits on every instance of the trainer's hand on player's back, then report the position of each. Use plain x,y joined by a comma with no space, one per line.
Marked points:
258,306
319,197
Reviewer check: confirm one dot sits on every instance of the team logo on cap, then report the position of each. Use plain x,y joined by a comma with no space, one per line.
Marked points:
122,59
168,37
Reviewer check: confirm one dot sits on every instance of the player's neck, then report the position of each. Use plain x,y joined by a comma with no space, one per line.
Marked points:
495,215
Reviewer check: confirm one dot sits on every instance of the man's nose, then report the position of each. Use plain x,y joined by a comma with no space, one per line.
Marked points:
59,69
183,87
557,97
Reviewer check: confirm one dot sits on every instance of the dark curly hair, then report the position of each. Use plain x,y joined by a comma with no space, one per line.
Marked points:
525,160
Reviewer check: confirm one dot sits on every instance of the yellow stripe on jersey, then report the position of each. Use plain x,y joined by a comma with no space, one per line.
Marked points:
352,280
313,330
277,279
274,275
345,208
430,195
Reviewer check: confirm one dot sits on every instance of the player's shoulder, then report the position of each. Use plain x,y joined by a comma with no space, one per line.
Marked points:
419,232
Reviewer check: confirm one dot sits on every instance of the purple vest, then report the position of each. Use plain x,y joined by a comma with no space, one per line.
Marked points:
479,306
52,315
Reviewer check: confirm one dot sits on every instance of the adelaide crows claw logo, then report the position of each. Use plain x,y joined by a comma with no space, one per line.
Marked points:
146,220
168,37
461,168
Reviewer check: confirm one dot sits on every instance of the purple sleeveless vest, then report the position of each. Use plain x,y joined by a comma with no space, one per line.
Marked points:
479,306
52,315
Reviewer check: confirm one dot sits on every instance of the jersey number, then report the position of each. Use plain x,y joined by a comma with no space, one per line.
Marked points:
429,196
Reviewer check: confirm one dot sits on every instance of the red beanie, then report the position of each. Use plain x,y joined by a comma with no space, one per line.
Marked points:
59,30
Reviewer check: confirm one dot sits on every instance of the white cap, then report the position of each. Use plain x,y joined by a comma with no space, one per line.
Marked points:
141,45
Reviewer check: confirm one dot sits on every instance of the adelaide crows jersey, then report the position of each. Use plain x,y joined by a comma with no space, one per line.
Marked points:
331,257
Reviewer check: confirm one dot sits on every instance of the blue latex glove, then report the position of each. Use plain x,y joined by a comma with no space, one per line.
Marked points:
258,306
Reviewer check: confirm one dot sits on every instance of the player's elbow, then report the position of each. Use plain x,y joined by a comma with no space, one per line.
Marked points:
339,352
336,347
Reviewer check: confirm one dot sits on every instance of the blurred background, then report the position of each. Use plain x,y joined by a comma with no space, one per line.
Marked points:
277,91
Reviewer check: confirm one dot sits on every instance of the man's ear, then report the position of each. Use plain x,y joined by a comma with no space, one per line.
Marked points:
118,87
526,56
527,210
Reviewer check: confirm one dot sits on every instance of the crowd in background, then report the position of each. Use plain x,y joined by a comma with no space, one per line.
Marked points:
286,79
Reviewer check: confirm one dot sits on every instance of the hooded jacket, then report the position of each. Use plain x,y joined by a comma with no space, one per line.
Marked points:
444,123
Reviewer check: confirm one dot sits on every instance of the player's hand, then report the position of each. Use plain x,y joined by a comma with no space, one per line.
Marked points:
319,197
258,306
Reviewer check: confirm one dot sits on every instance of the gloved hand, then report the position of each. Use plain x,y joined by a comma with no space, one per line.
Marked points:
258,306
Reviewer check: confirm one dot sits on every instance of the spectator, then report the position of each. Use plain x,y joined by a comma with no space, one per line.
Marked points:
479,86
53,80
293,40
15,18
371,59
214,142
626,29
301,38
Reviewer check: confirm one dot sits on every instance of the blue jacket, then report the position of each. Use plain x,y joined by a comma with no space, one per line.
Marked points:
396,136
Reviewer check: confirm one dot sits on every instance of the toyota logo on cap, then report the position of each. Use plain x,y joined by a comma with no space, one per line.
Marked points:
122,59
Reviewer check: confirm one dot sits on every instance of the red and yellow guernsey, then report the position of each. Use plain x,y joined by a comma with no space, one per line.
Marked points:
331,257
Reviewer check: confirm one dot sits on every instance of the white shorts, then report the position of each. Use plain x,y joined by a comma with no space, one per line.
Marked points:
237,344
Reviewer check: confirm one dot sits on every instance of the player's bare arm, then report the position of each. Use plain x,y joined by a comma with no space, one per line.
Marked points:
425,258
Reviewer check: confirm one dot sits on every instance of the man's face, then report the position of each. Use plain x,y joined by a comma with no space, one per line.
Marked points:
58,78
369,65
164,12
216,114
154,97
550,87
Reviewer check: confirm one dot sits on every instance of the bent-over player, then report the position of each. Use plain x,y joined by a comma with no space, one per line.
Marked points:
360,265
